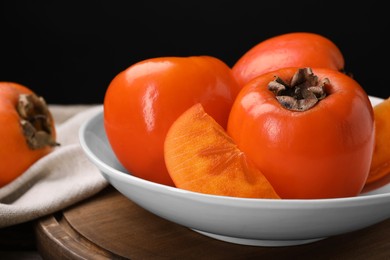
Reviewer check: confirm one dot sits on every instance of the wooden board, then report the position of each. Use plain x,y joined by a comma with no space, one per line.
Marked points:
109,226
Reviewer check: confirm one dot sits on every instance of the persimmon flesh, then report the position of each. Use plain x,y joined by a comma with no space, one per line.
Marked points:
201,157
380,164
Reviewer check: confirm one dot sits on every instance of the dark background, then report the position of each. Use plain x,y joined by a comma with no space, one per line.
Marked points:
68,52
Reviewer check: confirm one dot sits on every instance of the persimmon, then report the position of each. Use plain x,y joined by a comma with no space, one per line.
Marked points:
309,131
380,165
27,130
295,49
142,102
201,157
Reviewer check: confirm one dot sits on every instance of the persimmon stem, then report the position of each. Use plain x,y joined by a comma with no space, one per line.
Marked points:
35,121
304,91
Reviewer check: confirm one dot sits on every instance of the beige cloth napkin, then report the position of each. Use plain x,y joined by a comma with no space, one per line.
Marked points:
58,180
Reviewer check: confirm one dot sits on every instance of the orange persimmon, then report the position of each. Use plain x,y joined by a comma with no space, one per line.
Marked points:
201,157
380,164
142,101
310,132
295,49
27,130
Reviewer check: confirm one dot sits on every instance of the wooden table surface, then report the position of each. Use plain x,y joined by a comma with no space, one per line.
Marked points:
109,226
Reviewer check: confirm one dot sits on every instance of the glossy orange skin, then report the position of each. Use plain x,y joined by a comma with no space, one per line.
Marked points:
324,152
296,49
142,102
16,156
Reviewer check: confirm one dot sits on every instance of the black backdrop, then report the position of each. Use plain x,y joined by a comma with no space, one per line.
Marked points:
68,52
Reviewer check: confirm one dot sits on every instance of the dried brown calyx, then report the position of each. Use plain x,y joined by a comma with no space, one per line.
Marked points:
36,121
303,92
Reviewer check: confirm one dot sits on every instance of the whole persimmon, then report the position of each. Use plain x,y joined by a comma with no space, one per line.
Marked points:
295,49
27,130
309,131
142,102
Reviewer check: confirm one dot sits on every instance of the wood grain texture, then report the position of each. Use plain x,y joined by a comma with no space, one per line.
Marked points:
109,226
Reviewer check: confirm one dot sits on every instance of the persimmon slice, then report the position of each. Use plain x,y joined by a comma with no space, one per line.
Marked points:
200,156
380,165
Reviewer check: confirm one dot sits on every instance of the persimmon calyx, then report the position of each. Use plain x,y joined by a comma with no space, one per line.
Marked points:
35,121
304,91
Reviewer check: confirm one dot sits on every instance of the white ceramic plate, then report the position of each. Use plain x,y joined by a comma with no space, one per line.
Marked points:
260,222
